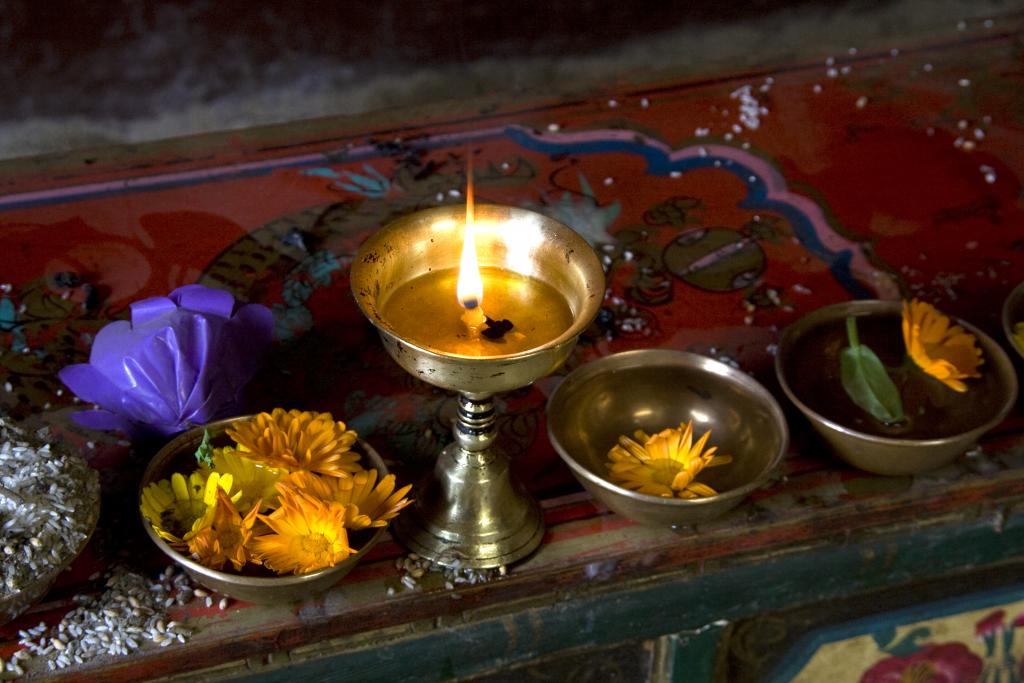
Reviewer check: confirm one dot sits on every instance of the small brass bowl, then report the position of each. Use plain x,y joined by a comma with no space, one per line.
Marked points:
1013,313
177,456
654,389
909,452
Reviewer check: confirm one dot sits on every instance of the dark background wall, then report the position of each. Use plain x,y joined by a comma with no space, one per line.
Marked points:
80,73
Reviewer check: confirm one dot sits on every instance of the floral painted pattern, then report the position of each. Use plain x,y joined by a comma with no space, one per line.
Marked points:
952,662
944,663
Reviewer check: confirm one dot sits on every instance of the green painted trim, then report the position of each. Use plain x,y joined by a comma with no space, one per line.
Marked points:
669,604
695,653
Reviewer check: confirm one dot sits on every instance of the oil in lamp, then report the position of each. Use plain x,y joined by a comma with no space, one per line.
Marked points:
479,303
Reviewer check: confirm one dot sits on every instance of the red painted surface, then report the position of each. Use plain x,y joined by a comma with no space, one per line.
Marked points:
884,183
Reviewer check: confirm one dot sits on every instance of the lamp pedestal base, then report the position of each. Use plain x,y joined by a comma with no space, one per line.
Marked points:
470,512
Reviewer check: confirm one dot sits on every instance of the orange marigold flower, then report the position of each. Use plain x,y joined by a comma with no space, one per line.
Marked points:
308,534
943,350
369,503
297,441
222,535
665,464
252,481
176,507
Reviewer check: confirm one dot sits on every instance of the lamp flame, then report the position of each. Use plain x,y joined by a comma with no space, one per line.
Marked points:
470,287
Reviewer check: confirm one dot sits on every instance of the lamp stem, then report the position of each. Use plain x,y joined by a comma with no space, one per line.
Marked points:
475,426
470,511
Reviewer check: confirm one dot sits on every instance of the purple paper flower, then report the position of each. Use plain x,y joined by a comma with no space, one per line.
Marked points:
183,360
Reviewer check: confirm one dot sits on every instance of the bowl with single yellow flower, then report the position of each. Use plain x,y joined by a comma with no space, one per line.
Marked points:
1013,319
895,388
666,438
268,508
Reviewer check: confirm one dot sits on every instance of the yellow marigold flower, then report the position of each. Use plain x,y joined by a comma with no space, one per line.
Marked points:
176,507
367,504
297,441
664,464
222,534
309,534
944,351
252,480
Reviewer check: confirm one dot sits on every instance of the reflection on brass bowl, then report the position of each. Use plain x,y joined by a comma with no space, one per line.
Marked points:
941,423
654,389
260,586
1013,313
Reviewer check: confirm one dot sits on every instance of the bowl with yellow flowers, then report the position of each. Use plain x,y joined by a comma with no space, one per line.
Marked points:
895,388
268,508
666,438
1013,319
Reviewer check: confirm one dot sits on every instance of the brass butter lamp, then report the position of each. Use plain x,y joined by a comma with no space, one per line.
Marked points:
538,276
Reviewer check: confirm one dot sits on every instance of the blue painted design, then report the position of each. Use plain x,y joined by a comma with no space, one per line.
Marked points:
883,636
9,323
313,272
908,644
296,292
320,266
660,163
585,215
373,185
322,171
8,315
290,321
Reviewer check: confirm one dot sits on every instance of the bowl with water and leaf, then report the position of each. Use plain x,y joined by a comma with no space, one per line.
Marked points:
895,388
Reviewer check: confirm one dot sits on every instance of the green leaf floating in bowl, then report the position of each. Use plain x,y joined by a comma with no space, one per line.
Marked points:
866,380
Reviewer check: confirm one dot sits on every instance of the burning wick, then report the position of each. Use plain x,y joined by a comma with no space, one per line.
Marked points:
470,286
496,329
473,317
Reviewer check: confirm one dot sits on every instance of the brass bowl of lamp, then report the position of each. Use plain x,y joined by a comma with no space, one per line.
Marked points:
653,389
941,423
1013,315
256,584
